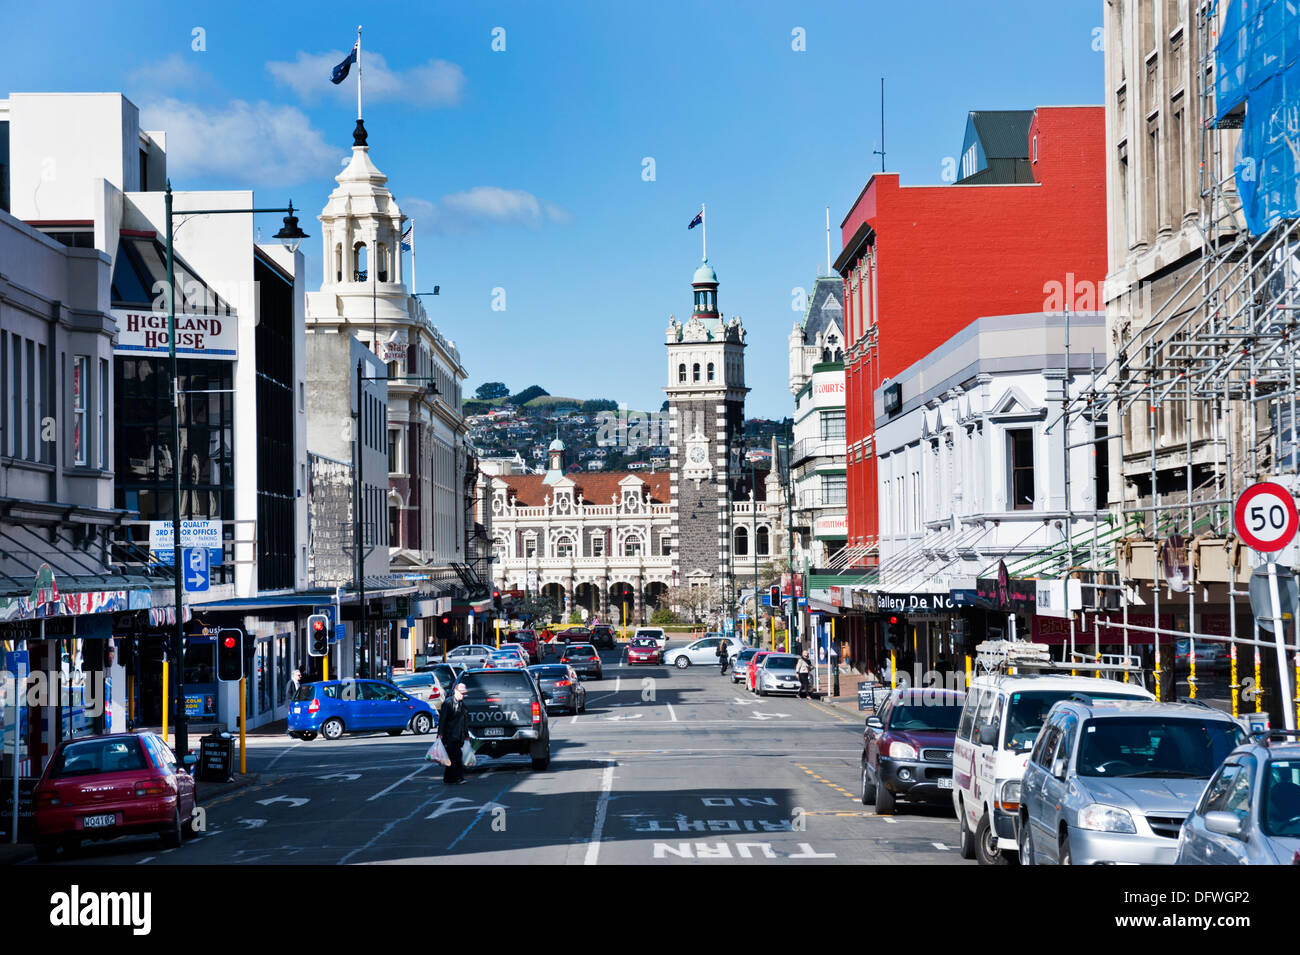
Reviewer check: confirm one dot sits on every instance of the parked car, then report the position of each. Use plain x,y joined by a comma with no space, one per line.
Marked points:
332,708
1211,655
1111,781
777,674
751,669
702,652
584,659
507,715
740,663
1249,814
468,656
644,650
656,632
101,787
603,637
907,748
999,724
561,687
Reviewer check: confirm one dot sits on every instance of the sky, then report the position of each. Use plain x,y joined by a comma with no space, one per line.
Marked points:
555,151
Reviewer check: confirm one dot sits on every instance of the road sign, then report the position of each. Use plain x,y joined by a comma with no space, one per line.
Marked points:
1265,517
1261,603
196,569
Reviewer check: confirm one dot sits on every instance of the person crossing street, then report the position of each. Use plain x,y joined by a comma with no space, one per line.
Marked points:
723,657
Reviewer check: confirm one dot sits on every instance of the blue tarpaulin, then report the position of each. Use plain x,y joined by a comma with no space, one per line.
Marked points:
1257,62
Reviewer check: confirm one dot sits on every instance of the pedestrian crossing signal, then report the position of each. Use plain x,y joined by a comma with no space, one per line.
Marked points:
319,635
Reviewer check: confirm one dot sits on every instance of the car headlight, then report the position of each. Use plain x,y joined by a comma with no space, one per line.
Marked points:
899,750
1105,819
1009,796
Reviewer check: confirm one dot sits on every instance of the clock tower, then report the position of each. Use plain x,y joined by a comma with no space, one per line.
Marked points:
706,400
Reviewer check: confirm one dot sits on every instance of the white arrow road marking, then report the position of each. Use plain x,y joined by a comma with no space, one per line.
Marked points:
770,716
349,777
251,823
889,819
745,702
295,801
446,806
387,789
629,716
941,847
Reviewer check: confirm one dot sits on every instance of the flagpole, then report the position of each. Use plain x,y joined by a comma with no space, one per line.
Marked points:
704,231
358,73
413,285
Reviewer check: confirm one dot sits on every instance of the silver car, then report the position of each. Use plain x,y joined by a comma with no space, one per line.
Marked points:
739,663
1250,812
777,674
469,657
1111,781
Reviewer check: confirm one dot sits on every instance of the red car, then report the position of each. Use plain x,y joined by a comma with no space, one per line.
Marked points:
644,650
756,661
102,787
528,640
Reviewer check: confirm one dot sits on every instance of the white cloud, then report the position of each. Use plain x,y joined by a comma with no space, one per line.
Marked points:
435,83
485,205
255,145
179,71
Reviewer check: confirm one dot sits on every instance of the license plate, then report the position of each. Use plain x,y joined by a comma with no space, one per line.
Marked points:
493,731
99,822
945,783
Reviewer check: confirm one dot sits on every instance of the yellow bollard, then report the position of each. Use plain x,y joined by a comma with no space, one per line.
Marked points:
893,671
325,666
1157,669
968,671
165,699
1234,686
1259,686
1191,671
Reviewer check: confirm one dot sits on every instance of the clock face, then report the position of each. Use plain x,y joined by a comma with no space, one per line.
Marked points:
697,455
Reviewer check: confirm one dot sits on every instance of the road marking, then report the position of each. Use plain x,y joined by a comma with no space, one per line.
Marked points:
941,847
631,716
574,720
770,716
671,713
602,806
392,823
618,682
483,810
826,709
295,801
822,779
347,777
285,753
387,789
146,859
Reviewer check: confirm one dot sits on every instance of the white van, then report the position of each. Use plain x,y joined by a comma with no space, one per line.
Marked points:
999,723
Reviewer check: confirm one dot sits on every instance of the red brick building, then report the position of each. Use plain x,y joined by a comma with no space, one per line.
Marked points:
1021,229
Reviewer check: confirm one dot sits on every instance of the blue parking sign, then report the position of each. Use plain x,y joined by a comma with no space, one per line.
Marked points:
196,569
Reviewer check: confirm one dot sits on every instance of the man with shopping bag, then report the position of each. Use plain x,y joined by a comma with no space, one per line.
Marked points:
453,728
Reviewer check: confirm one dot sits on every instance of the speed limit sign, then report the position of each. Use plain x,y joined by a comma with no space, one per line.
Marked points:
1266,517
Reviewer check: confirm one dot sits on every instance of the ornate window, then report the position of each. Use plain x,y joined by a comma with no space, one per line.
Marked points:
762,541
695,372
530,545
632,547
598,545
360,262
742,541
710,371
564,547
681,373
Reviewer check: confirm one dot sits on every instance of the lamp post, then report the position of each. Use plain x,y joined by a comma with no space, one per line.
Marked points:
290,236
358,472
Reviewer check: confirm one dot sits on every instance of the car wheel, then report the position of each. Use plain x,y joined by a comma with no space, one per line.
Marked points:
1026,844
47,850
332,728
885,801
171,836
682,663
762,692
986,843
582,707
421,724
868,788
1064,857
542,762
966,844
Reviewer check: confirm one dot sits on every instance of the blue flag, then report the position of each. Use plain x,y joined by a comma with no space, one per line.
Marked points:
406,246
698,220
341,71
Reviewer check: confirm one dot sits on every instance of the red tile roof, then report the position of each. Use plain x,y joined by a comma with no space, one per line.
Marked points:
596,487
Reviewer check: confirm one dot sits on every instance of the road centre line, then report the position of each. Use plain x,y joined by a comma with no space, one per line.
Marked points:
387,789
671,713
602,807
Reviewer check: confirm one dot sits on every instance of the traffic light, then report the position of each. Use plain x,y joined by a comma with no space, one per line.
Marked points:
496,600
776,595
318,632
230,655
446,620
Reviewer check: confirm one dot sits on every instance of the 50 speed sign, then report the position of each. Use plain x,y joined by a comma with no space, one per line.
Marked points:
1266,517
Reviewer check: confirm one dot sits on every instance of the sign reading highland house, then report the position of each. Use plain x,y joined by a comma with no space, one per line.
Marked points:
198,335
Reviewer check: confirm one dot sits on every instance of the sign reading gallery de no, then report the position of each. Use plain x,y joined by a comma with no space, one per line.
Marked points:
145,332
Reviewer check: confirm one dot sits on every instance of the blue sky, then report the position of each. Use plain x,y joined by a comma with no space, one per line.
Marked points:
524,168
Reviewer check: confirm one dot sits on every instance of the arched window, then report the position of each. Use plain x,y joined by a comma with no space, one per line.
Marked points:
710,371
681,373
742,541
338,262
695,371
393,518
761,541
382,261
564,547
360,262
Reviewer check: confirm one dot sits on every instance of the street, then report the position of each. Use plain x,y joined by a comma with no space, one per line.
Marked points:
666,765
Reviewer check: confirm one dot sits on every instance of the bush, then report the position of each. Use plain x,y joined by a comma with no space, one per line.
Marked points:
575,617
663,617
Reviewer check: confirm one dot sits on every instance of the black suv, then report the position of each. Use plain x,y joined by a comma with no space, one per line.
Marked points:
602,637
506,714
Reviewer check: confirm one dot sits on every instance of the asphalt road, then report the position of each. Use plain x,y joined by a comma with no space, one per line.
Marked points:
666,766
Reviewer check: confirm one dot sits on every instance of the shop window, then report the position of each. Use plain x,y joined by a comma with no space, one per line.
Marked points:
1020,457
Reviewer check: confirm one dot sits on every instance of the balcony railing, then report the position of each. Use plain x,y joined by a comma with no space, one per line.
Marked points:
823,498
817,448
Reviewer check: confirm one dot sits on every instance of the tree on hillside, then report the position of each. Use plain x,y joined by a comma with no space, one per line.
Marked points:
491,389
528,394
599,404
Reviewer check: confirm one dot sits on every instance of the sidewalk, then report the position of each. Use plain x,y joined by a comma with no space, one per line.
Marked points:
847,700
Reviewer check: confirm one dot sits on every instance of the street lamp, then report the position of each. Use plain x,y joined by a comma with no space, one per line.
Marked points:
290,235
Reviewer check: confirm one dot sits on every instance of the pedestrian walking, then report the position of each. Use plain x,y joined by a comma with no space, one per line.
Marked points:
295,682
803,669
723,653
453,725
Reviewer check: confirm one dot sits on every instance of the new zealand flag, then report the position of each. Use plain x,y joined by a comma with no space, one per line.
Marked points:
341,71
699,216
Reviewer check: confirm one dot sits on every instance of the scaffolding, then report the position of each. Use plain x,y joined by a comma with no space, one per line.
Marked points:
1203,387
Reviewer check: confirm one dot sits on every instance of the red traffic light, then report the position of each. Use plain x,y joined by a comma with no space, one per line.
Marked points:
229,643
318,624
446,620
893,620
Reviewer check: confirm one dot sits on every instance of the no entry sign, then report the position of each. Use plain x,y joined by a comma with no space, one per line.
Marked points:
1266,517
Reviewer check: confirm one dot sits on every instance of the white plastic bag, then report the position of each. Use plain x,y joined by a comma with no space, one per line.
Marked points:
467,756
438,753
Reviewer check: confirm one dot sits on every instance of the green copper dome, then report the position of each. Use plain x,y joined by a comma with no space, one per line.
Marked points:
705,275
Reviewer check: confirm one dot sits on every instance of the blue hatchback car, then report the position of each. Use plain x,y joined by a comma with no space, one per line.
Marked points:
335,707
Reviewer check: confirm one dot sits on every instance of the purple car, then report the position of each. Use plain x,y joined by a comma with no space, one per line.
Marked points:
907,748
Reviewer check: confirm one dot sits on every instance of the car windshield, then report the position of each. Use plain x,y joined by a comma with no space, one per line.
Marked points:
305,693
1028,712
100,756
1156,747
582,650
1282,799
651,633
644,642
939,716
491,686
550,672
415,679
780,662
745,655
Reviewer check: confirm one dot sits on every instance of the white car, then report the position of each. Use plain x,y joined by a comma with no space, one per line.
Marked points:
703,652
468,657
656,632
